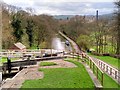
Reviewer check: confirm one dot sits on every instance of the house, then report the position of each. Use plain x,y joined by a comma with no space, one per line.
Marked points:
18,47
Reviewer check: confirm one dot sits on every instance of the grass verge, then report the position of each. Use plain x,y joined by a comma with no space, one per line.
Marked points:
110,60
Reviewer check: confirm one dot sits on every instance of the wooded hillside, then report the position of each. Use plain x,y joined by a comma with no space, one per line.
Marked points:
37,31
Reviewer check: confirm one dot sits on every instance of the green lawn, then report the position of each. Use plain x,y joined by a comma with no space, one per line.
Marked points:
110,60
62,78
47,64
4,59
67,78
108,82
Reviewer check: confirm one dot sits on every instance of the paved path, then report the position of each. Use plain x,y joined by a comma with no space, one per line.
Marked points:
32,73
72,42
25,74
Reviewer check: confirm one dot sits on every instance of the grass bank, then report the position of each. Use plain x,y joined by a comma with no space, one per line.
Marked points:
108,82
62,78
110,60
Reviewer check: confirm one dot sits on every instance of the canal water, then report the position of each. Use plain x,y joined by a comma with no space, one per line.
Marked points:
60,45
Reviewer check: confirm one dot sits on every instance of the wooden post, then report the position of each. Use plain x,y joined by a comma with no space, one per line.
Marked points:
90,63
93,67
106,68
103,66
99,63
115,74
102,79
97,73
110,71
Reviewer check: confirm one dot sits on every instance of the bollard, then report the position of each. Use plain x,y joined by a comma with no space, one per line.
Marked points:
9,65
28,58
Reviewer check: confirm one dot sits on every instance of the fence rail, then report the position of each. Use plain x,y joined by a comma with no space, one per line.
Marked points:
95,68
113,72
18,53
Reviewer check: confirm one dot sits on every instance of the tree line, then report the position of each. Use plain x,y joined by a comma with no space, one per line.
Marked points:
100,34
34,31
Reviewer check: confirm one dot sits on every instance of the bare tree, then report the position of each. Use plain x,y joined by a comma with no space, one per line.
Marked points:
118,26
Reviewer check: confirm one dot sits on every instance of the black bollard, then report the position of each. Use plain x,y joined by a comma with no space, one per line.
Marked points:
28,60
20,68
9,65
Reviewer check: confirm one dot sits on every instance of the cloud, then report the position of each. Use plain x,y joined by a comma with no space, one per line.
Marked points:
63,7
57,1
21,3
75,7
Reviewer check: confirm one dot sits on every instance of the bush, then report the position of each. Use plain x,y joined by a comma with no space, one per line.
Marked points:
97,54
115,56
106,54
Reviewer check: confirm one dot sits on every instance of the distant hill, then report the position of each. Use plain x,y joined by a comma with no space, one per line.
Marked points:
63,17
104,16
107,16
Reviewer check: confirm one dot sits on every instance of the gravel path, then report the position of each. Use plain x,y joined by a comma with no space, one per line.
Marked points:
25,74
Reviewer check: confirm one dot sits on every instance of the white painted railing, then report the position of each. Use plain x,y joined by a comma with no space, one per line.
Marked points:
109,69
18,53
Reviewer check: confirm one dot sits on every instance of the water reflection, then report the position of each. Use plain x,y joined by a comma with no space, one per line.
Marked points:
57,44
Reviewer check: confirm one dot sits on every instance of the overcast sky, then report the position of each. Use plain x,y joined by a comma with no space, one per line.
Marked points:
66,7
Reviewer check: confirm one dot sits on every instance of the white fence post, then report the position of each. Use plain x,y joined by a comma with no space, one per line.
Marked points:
0,69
